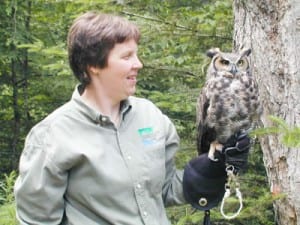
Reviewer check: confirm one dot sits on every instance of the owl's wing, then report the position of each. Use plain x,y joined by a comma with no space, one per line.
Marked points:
205,133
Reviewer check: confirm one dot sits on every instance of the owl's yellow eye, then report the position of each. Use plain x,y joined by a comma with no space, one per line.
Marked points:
224,62
240,62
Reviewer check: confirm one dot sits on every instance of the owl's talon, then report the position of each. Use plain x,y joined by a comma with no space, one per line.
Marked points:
212,157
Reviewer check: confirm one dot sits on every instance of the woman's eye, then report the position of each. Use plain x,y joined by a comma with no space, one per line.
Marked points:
127,55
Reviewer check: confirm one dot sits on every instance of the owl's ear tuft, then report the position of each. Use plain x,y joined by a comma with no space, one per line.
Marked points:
212,52
246,52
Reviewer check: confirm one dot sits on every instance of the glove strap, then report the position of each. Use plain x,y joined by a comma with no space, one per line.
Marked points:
231,183
206,220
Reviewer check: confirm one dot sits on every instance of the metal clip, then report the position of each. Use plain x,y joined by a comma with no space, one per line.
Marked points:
232,181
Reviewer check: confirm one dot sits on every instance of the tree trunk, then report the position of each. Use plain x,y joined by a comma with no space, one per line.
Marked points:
272,29
15,96
17,117
25,69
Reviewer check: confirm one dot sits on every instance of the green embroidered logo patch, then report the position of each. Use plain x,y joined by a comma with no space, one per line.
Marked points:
147,135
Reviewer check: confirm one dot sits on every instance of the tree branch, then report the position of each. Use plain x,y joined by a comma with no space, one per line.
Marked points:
194,32
171,69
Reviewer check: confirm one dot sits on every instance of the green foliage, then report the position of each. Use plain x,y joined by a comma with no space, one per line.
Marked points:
290,136
6,188
7,207
8,214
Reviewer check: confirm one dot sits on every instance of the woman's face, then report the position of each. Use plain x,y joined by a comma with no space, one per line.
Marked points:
118,79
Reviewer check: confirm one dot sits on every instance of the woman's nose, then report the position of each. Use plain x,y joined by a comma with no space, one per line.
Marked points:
138,64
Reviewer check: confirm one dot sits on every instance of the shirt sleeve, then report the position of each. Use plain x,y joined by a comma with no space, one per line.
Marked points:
40,187
172,189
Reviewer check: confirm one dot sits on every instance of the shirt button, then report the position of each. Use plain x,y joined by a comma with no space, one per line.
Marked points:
138,186
129,157
145,213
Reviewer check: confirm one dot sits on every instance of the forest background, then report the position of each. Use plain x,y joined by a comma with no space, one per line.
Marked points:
35,79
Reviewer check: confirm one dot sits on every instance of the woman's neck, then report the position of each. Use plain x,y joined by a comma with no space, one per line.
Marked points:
102,103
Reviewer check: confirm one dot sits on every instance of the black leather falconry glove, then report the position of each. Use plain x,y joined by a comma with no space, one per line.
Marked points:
236,151
204,179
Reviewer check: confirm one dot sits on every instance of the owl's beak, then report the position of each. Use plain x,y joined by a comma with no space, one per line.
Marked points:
233,69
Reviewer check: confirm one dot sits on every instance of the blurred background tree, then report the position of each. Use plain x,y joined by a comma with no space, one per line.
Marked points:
35,77
272,29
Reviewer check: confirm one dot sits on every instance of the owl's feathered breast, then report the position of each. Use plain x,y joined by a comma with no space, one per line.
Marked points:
225,106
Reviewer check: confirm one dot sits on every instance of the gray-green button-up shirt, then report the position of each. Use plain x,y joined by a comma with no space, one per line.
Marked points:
78,168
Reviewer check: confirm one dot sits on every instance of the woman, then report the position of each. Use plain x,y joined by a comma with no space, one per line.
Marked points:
107,157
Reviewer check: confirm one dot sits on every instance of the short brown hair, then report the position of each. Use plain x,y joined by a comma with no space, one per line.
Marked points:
92,36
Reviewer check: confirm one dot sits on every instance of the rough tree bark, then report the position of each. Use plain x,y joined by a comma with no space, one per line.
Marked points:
272,29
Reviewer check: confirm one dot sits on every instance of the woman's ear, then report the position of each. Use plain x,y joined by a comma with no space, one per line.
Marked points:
92,70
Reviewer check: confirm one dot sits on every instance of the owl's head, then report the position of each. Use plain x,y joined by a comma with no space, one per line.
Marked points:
229,63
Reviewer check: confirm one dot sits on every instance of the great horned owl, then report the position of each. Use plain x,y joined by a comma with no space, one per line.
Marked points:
229,101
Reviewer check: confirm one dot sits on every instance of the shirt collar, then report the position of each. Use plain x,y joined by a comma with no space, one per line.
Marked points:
93,114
